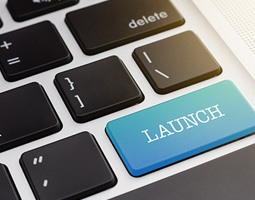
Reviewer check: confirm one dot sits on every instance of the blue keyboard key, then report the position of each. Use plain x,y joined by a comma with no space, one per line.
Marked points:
180,128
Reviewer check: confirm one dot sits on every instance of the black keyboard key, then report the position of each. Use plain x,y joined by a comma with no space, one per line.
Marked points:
26,114
1,23
230,177
26,9
113,23
31,50
8,189
72,168
97,89
176,62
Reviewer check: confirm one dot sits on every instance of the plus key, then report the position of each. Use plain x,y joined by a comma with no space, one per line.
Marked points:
6,45
31,50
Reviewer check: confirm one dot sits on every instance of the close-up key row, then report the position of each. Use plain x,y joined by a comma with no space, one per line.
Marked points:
118,99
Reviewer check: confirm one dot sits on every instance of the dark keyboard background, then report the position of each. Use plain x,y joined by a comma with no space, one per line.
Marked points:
232,70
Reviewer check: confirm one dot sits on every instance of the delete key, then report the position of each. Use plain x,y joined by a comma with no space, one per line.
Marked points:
113,23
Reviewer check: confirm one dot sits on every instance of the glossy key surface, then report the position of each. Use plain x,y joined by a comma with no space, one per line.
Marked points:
180,128
31,50
26,114
72,168
113,23
8,189
26,9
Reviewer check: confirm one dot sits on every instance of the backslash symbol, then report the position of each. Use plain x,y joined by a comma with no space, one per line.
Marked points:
161,73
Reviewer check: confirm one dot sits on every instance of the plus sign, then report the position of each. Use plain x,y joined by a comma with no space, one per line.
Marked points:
6,45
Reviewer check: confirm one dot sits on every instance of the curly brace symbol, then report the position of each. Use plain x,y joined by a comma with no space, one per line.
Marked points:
71,83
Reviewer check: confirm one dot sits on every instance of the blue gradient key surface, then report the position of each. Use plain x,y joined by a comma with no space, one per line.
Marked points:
180,128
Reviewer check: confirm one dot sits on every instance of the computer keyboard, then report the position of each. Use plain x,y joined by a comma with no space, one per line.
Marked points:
102,98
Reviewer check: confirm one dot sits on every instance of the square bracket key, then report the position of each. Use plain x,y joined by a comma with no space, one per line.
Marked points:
176,62
98,89
31,50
